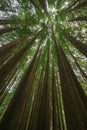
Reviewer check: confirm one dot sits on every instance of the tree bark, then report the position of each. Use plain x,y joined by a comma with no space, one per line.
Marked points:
9,48
78,44
44,6
6,30
56,115
7,69
80,69
73,4
9,83
83,18
32,125
44,113
18,113
79,5
4,22
74,103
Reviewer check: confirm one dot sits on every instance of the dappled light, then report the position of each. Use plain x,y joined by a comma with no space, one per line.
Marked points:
43,65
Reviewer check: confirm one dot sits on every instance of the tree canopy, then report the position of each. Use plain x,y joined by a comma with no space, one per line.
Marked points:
43,65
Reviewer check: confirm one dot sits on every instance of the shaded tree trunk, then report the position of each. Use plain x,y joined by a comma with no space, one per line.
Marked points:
6,30
56,115
34,117
7,69
79,5
73,4
44,5
78,44
83,18
9,84
60,106
4,22
74,104
18,113
44,113
80,69
9,48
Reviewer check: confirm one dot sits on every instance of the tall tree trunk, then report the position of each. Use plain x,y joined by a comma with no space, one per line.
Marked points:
56,115
79,5
83,18
44,113
60,105
78,44
34,117
7,69
73,4
4,22
80,69
5,30
8,49
44,6
74,103
19,106
9,84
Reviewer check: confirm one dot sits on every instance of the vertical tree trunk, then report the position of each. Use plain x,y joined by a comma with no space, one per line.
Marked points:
80,69
56,115
78,44
74,104
60,105
19,106
73,4
8,85
7,69
79,5
8,49
34,117
44,5
44,113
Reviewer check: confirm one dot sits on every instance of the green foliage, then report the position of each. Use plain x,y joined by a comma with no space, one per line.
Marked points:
36,19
